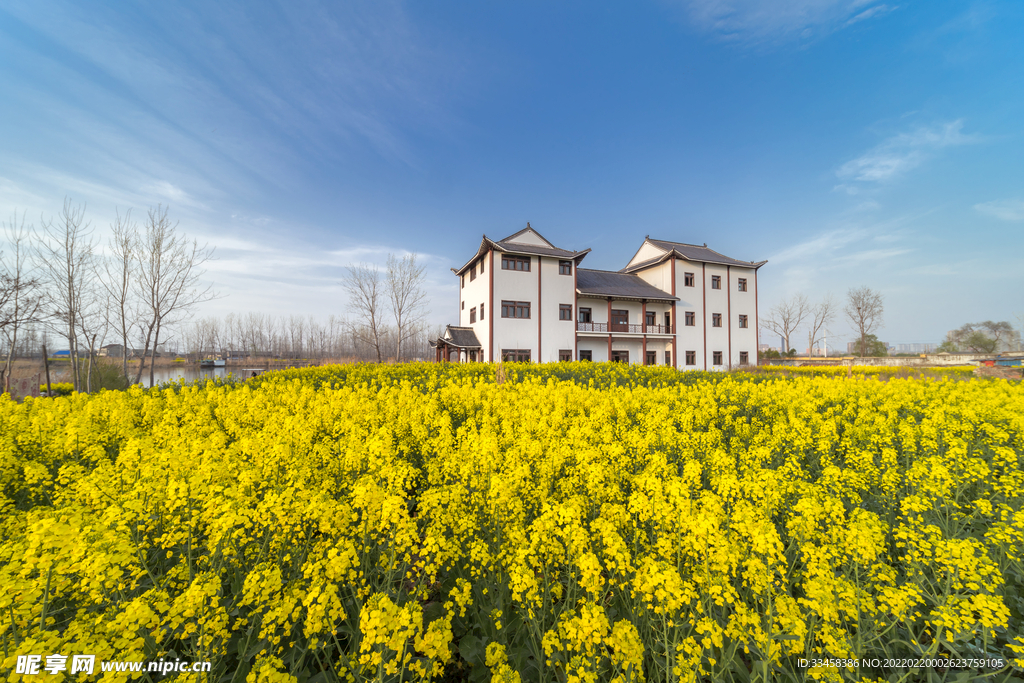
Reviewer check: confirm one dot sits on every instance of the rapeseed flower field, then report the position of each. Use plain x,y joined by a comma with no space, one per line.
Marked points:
573,523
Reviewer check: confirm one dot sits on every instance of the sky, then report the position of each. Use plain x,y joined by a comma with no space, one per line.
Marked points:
848,142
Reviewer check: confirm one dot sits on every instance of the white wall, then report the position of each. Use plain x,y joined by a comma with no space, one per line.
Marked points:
556,289
515,285
475,293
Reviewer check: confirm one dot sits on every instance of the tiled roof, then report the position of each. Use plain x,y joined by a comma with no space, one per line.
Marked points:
609,283
691,252
519,248
463,337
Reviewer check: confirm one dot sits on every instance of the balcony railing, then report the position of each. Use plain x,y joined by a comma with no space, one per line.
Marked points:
627,328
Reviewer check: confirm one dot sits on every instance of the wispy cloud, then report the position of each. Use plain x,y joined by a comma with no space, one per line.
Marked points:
777,21
903,152
1005,209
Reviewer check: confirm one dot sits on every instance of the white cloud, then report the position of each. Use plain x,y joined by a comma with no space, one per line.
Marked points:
903,152
1006,209
760,21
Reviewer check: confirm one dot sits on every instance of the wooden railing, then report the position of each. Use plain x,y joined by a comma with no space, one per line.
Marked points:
628,328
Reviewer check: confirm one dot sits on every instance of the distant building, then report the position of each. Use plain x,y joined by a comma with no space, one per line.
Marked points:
681,305
926,347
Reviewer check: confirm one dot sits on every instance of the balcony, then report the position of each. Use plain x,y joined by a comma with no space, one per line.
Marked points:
624,328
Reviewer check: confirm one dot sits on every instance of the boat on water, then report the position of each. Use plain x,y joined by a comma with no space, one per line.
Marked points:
213,363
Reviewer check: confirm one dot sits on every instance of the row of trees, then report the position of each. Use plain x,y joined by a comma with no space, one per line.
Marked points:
56,277
985,337
256,334
863,309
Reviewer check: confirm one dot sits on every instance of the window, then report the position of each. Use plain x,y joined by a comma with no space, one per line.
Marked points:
472,273
472,315
652,358
586,354
716,320
515,309
565,355
716,282
620,320
668,320
472,356
668,358
463,305
651,319
620,356
691,318
515,355
691,357
741,284
481,311
565,267
744,358
585,316
463,281
688,279
716,357
565,312
743,321
482,262
515,263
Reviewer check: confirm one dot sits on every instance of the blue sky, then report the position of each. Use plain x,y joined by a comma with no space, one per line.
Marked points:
849,142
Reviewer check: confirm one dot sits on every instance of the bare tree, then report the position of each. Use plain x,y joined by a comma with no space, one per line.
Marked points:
367,295
787,316
120,269
20,290
408,300
65,249
169,281
864,310
821,315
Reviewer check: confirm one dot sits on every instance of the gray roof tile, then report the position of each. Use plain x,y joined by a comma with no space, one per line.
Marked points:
609,283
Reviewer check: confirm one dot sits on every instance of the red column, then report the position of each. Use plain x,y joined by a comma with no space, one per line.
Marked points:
704,312
675,323
728,311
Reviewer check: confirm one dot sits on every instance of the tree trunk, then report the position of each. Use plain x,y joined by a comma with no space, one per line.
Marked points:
152,359
46,367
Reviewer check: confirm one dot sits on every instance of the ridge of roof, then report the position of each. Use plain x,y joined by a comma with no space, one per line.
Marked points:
534,231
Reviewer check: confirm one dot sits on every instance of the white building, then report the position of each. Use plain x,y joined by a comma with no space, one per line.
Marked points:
684,305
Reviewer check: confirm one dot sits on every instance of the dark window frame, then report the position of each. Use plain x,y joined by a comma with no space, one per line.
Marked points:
691,357
668,358
741,284
519,263
621,313
481,311
744,358
743,321
565,312
716,320
691,318
515,309
565,355
472,315
565,267
716,282
516,355
689,279
651,358
651,319
586,355
716,358
472,273
585,311
620,356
